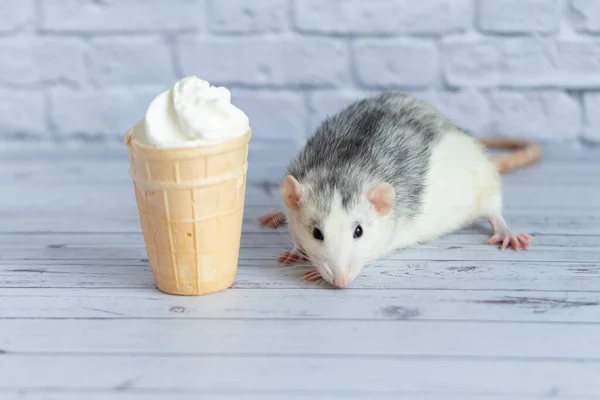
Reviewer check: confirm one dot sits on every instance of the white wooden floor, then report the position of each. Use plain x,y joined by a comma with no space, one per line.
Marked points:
455,319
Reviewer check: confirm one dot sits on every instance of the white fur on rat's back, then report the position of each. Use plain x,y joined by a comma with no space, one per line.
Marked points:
462,185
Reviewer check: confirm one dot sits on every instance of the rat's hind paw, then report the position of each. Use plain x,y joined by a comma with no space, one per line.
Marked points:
291,257
510,239
273,219
503,234
312,275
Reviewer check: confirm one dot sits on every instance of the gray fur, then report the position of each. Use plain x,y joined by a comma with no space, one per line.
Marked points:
385,138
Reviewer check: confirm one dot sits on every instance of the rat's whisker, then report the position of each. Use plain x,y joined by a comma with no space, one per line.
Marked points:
298,266
285,236
322,283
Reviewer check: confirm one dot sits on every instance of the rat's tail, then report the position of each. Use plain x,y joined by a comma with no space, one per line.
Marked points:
522,152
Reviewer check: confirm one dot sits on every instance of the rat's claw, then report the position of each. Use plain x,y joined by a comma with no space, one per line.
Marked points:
507,240
272,220
525,236
495,239
524,239
312,275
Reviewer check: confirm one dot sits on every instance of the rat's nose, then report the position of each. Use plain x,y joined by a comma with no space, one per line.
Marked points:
341,281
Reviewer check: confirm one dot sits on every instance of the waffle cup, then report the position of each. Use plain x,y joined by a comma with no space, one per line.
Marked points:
191,204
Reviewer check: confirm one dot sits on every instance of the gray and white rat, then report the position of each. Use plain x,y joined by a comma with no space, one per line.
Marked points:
386,173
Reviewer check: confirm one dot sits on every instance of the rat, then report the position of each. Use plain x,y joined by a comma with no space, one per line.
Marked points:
389,172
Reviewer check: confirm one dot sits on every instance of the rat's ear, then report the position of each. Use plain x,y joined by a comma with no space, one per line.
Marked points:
382,197
290,190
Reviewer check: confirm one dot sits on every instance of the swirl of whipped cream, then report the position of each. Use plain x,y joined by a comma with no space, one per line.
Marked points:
191,113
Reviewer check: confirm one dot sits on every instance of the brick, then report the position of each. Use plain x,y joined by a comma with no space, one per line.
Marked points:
519,16
591,103
242,16
121,15
107,112
348,16
436,16
266,61
467,108
586,15
273,115
130,61
526,62
577,63
23,113
544,115
470,62
396,62
32,61
323,104
15,14
382,16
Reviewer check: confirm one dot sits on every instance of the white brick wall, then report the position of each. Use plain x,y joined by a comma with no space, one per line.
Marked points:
88,68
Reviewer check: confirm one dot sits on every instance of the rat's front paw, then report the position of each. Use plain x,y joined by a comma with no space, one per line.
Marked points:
291,257
511,240
272,220
312,275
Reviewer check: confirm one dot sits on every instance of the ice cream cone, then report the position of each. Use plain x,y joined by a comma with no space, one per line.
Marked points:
191,205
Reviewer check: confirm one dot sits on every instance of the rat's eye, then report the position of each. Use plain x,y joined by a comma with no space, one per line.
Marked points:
317,234
358,232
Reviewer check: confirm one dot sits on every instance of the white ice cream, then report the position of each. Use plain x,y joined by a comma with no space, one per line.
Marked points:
191,113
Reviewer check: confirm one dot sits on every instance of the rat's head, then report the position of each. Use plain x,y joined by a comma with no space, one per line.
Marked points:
338,233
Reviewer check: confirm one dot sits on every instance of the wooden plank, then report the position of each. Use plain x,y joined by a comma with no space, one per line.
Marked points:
102,171
374,338
84,194
111,194
528,196
268,244
571,152
256,240
475,252
556,173
306,303
387,274
132,394
125,219
324,375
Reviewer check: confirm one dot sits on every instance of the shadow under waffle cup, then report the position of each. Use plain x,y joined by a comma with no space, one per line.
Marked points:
191,205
